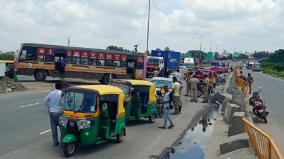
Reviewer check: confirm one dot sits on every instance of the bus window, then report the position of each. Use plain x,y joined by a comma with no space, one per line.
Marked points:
92,62
101,62
139,65
69,59
84,60
109,63
40,58
123,64
117,63
49,58
31,56
23,55
76,60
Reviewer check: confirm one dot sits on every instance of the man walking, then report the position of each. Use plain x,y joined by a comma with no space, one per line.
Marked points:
193,88
250,81
54,102
166,102
205,89
176,95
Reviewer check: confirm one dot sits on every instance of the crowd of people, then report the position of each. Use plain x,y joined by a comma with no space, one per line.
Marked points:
194,89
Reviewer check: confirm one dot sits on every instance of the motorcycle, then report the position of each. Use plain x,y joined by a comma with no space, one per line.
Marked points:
259,108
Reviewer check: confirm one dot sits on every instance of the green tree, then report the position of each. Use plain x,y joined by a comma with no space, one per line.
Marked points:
216,56
243,57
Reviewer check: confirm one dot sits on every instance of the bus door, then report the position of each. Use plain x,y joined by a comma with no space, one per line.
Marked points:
131,66
60,61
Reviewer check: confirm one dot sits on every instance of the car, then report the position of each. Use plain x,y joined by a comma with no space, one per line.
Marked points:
161,82
256,67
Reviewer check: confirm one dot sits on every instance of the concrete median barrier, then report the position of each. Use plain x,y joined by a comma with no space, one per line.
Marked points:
237,126
229,112
233,143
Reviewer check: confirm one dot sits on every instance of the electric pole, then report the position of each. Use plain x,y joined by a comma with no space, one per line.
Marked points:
148,26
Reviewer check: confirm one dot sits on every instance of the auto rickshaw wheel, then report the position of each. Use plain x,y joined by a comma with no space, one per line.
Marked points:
119,137
69,149
151,119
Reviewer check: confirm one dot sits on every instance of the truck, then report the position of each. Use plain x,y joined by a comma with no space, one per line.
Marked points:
171,60
189,62
153,63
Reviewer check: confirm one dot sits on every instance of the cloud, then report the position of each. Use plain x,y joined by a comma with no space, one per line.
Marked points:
248,25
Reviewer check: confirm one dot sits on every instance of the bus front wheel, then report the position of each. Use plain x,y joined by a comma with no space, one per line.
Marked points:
40,75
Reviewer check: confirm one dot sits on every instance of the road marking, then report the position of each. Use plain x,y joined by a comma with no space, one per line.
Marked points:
44,132
29,105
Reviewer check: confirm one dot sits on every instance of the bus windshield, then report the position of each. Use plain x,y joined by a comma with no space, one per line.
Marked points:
80,102
154,61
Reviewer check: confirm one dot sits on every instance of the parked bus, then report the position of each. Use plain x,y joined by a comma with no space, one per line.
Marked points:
42,60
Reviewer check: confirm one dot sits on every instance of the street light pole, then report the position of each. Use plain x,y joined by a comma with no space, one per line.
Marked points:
201,40
148,26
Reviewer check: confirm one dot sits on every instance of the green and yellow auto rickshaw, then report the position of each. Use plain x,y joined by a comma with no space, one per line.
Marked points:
140,99
92,114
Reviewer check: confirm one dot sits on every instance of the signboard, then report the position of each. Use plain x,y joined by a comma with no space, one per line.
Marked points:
109,56
116,57
76,53
69,53
93,55
101,56
85,54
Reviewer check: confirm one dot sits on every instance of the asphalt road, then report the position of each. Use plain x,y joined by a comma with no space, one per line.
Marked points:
25,132
273,95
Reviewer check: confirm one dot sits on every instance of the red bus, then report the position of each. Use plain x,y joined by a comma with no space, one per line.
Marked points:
42,60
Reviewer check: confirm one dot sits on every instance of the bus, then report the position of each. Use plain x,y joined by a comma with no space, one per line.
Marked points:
42,60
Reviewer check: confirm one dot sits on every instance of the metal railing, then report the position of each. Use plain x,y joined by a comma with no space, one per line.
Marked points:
261,142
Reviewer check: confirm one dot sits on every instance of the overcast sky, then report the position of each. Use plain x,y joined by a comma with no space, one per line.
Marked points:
241,25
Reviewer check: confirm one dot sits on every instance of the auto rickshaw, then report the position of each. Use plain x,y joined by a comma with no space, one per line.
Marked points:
92,114
140,99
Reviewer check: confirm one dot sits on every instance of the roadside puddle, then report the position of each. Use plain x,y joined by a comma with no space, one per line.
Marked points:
193,144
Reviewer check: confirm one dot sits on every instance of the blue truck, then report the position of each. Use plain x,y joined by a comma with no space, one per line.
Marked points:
171,60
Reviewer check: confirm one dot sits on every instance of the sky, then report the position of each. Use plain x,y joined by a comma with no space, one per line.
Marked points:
231,25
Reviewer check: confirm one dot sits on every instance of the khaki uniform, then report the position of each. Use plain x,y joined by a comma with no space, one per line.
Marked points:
176,95
193,88
188,77
205,90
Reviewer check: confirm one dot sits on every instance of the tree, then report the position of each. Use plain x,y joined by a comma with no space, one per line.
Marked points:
216,56
261,54
243,57
117,48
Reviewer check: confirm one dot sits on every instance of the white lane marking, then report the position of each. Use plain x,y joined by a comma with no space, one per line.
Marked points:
29,105
44,132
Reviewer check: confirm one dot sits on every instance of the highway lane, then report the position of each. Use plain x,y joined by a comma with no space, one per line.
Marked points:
25,123
273,94
22,119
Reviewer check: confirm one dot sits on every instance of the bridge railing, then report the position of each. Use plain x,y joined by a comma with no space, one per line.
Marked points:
261,142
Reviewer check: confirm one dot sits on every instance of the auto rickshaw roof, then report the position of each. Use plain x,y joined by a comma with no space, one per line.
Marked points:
102,89
140,82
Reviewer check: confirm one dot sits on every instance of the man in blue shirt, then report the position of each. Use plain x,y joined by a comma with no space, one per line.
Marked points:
166,102
54,102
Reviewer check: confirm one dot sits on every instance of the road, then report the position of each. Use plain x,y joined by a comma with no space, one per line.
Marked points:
25,132
273,94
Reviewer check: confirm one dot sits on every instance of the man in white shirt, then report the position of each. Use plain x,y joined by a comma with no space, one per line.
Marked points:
54,102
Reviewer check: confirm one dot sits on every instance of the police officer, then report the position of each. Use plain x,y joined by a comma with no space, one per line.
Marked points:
187,78
205,89
193,88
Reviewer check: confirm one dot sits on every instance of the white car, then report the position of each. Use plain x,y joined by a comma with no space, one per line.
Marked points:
161,82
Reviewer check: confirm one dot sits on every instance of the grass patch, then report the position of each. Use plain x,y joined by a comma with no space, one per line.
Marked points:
275,69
